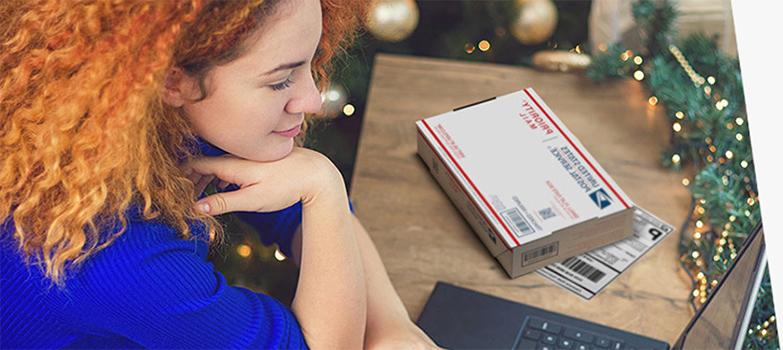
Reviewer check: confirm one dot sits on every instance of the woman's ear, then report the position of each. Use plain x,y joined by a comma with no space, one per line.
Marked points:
177,87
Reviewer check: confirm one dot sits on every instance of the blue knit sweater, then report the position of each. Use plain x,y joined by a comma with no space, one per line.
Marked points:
148,288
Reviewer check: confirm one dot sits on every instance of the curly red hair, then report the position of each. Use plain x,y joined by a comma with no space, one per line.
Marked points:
84,132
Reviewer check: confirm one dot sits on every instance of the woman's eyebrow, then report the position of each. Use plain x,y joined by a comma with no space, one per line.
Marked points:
283,67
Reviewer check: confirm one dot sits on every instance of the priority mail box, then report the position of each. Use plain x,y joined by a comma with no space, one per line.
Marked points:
531,192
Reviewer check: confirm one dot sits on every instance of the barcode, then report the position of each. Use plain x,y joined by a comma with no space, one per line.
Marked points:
542,252
518,220
546,213
579,266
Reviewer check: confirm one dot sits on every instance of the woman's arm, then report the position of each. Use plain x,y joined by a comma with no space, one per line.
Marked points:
388,322
331,295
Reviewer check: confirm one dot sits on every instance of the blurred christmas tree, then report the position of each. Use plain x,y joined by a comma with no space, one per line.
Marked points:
701,90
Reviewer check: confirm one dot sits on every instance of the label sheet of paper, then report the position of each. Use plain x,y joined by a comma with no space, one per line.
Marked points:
587,274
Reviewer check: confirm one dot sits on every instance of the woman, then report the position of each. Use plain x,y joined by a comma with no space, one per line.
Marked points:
108,109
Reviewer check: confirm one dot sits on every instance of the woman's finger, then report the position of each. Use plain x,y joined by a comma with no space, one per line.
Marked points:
225,202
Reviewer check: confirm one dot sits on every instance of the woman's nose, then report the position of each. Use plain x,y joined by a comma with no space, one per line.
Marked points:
306,100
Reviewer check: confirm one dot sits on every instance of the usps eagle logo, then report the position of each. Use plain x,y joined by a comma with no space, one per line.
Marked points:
600,198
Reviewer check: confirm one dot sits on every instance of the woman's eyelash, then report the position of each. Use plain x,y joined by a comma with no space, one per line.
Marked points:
282,86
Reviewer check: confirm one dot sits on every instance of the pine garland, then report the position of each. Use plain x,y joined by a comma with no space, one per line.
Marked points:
701,91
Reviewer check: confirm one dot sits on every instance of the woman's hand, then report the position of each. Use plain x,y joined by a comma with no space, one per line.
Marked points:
264,186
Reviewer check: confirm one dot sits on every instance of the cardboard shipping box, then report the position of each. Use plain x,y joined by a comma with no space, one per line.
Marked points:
527,186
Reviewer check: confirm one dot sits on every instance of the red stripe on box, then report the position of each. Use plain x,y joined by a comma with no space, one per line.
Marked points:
577,149
461,187
471,183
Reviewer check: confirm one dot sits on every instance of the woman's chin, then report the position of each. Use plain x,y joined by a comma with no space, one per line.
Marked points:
271,154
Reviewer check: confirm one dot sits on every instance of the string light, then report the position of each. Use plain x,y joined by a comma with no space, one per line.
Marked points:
679,115
652,100
638,75
676,127
739,137
279,255
739,121
729,154
349,109
685,181
484,45
469,48
626,55
244,250
697,79
675,158
638,60
711,80
744,164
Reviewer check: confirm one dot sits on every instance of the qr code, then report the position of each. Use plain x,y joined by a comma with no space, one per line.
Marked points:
547,213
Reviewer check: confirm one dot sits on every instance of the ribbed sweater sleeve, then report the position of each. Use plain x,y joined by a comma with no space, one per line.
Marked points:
159,291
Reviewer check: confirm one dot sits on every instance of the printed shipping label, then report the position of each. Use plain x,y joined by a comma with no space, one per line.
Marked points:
587,274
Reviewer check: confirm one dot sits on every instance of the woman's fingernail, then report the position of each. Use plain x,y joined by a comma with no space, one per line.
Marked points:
204,207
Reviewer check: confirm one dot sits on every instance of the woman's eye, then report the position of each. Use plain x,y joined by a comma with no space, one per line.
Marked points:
283,85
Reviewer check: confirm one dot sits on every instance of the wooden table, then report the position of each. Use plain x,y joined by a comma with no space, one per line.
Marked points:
421,236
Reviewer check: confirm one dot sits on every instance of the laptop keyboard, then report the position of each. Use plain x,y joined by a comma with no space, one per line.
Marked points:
540,334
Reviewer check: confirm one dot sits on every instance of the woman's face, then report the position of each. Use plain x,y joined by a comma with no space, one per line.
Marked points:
254,98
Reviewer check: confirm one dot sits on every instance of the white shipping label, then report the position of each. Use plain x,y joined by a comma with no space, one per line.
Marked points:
589,273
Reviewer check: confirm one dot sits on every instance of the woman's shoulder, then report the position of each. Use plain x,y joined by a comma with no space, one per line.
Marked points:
152,236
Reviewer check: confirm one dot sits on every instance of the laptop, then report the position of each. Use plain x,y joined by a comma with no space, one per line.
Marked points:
459,318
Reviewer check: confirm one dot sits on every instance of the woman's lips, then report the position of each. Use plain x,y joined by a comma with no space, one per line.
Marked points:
290,132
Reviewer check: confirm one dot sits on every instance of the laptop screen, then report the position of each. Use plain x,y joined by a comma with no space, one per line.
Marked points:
720,323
